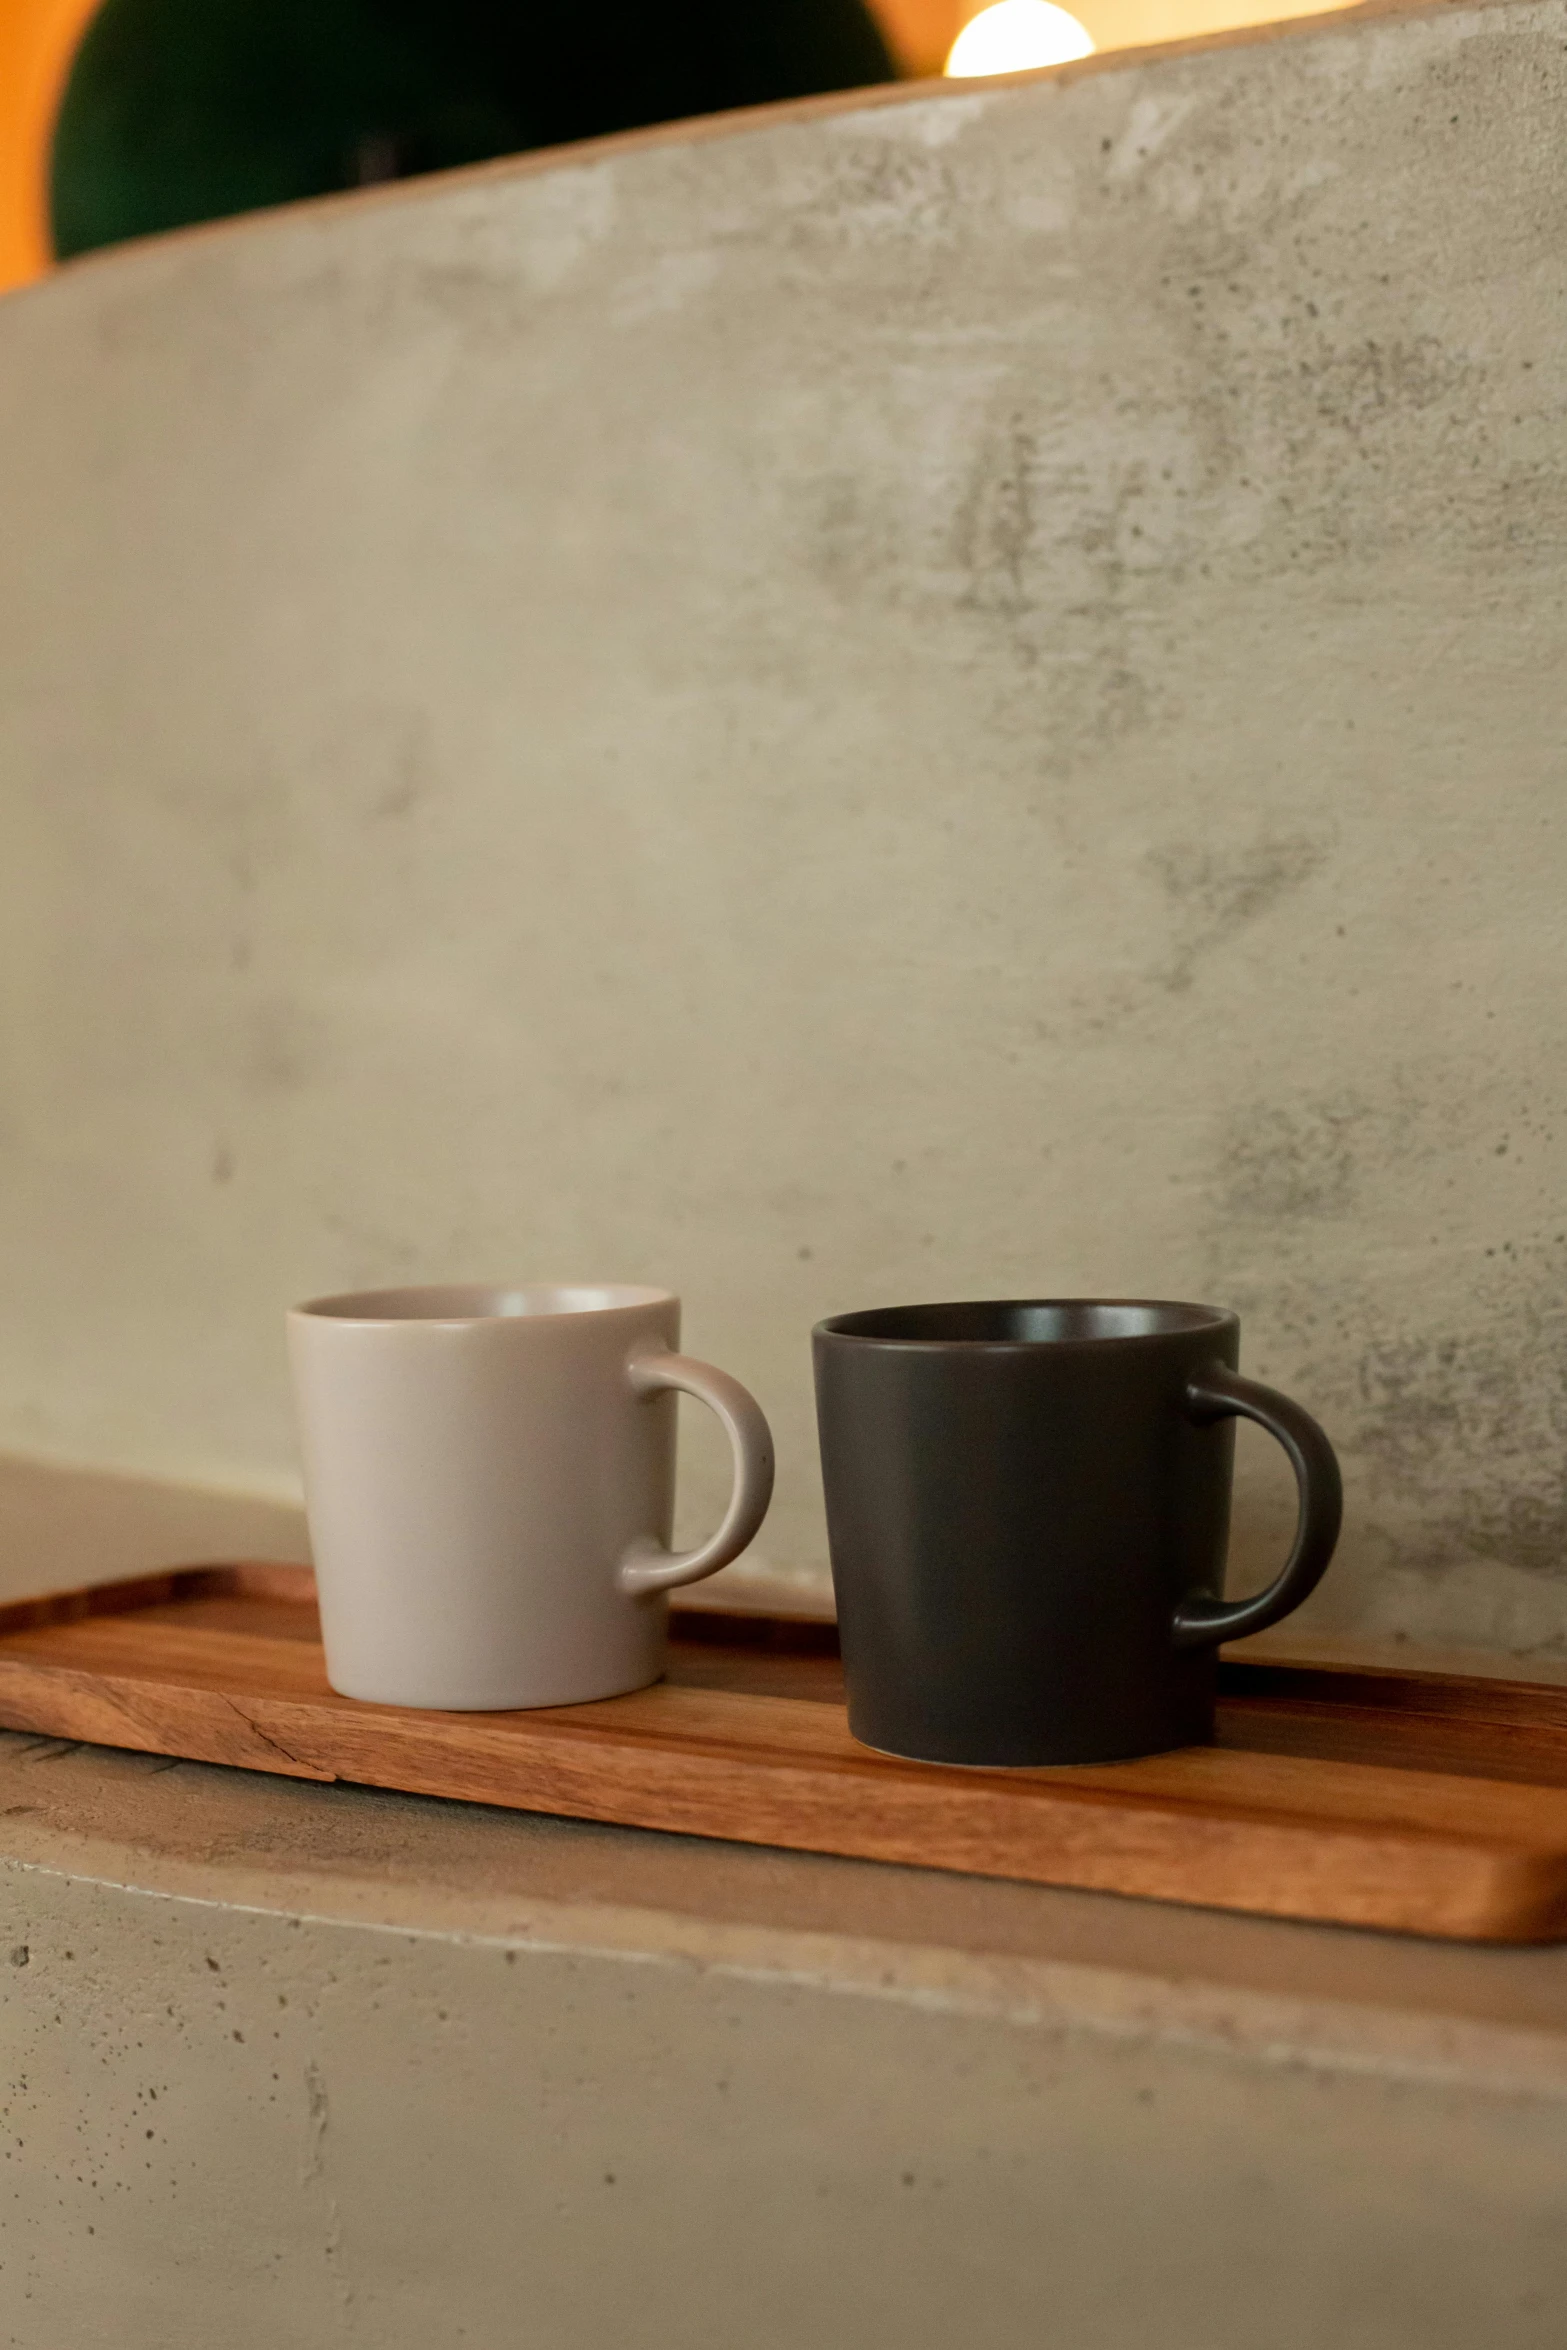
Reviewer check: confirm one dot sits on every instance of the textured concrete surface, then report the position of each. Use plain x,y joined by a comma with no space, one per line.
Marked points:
319,2066
323,2065
953,696
282,2062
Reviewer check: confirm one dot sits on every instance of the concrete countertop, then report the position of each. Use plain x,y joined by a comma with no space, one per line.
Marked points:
1284,1993
319,2064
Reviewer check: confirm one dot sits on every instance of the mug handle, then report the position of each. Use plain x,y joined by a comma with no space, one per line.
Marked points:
648,1566
1218,1393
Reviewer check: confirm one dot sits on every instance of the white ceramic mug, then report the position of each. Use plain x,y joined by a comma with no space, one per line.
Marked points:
489,1478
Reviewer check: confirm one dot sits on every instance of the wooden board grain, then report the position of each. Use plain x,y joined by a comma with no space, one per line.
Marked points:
1418,1801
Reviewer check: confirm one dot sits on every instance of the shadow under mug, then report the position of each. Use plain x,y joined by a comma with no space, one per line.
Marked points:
1028,1512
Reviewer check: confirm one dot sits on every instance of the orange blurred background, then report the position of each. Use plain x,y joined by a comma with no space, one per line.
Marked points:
38,39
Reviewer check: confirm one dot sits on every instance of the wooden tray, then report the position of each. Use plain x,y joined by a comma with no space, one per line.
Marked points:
1426,1802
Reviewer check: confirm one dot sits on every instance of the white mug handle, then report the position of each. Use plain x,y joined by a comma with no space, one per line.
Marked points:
648,1566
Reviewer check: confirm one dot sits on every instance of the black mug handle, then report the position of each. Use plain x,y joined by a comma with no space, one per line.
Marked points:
1218,1393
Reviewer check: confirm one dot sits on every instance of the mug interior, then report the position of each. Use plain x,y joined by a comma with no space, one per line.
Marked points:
481,1302
1027,1322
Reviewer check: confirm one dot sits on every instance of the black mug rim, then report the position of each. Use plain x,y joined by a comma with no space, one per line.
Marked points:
898,1326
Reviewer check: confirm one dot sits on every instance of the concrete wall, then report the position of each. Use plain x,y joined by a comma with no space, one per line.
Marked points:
957,695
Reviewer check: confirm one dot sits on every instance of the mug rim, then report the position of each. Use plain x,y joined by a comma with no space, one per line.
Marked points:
1183,1319
467,1304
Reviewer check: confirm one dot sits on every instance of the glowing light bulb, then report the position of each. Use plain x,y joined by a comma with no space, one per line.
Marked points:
1015,36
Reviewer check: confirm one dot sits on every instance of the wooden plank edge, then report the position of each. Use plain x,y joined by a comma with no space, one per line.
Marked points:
1334,1873
792,1629
242,1578
192,1725
1405,1690
1338,1873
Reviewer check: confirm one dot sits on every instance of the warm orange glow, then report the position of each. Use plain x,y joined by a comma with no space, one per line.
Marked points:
38,39
37,42
920,32
1016,36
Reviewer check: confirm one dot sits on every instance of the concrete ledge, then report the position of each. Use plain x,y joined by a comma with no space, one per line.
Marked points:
310,2064
296,2063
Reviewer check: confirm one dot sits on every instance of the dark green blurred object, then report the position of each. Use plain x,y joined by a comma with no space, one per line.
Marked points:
185,110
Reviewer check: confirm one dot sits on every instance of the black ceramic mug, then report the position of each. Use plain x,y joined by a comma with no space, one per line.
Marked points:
1028,1510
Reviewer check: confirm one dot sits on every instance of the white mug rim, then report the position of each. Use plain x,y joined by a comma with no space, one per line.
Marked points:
451,1304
